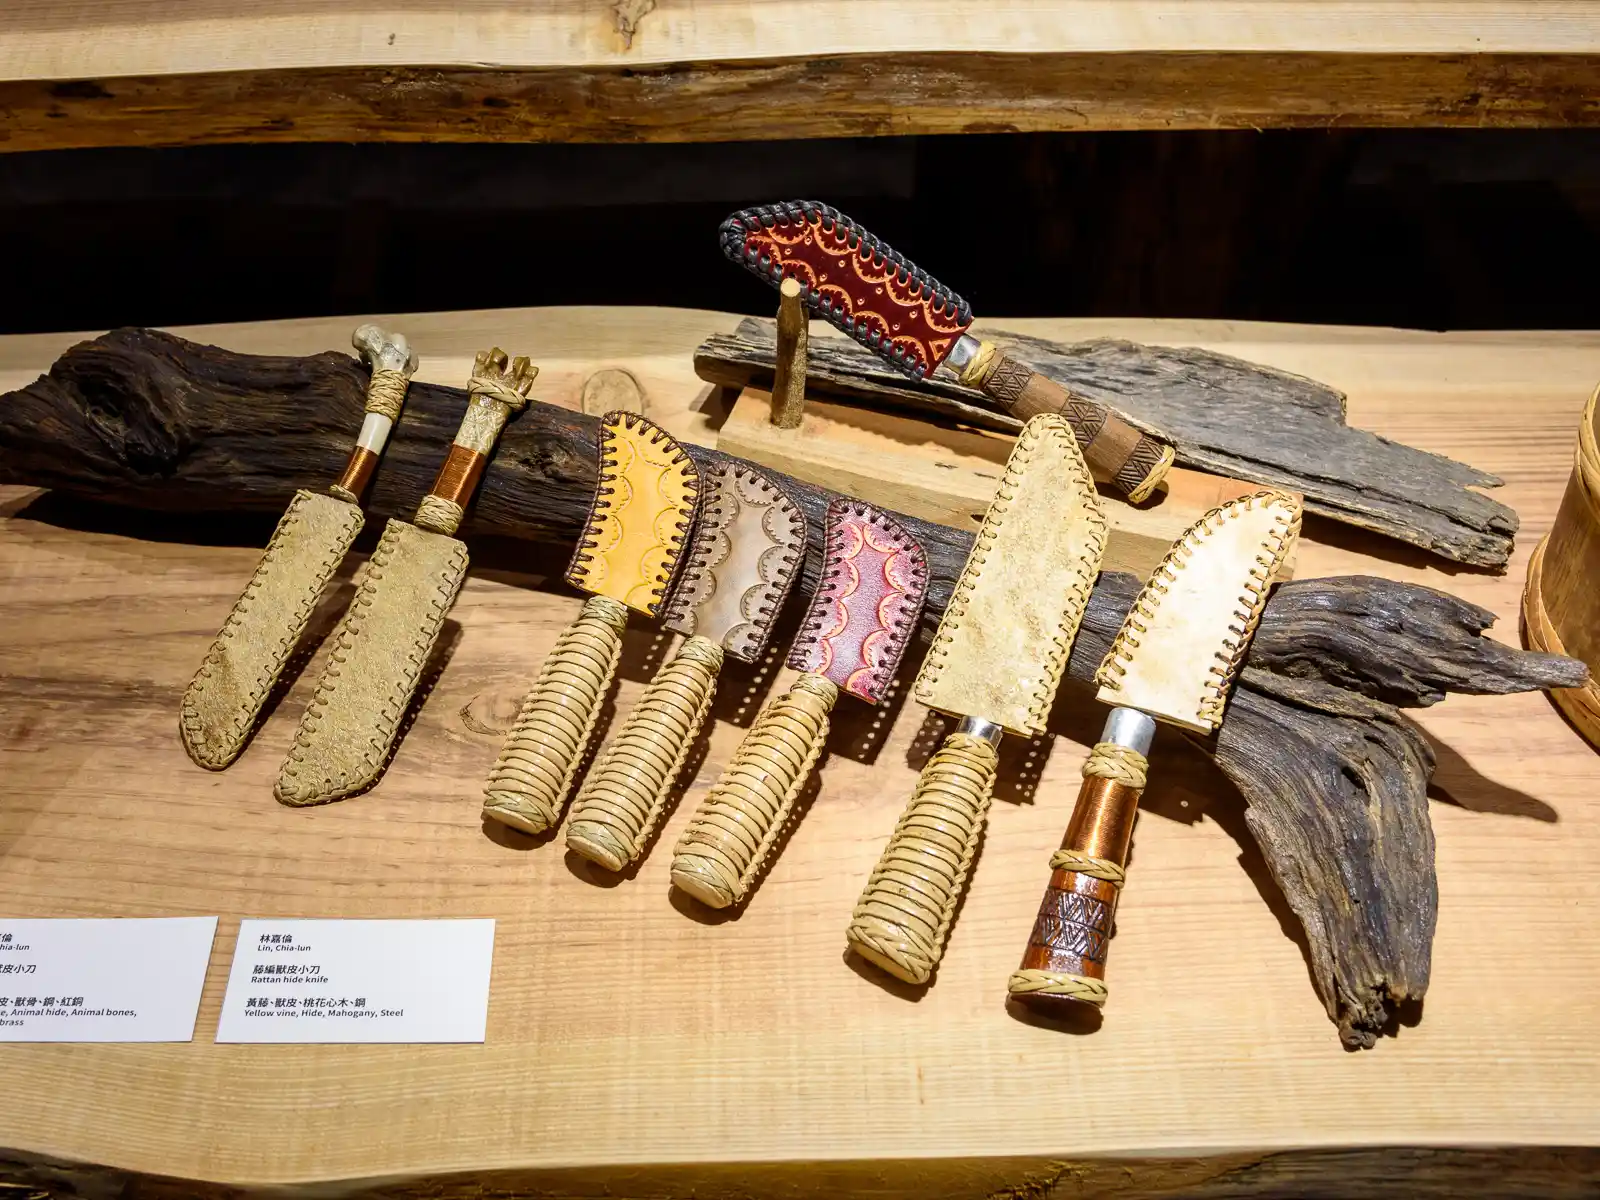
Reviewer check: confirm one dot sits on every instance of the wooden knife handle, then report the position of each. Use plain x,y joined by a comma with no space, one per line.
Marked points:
1065,962
725,845
904,914
623,797
533,774
1131,461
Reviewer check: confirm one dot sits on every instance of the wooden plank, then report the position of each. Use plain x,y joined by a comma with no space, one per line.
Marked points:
948,475
636,1049
148,72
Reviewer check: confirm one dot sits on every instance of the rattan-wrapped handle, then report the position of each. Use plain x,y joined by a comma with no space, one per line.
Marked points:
624,796
1130,460
531,778
904,914
724,847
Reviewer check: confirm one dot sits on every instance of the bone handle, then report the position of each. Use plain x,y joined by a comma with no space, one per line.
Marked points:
904,914
531,778
1065,962
393,362
1131,461
625,795
725,845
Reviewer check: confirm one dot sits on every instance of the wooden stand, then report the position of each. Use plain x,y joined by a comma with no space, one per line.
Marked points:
929,468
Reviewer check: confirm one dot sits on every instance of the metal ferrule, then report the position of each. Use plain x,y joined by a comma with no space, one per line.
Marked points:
979,728
1131,728
963,352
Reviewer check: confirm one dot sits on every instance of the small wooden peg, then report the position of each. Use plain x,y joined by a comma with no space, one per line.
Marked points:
789,378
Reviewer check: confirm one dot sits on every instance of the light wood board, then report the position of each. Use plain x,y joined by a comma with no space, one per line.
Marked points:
105,72
623,1031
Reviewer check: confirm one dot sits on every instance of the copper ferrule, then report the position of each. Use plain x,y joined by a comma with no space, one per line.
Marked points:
357,472
1102,822
458,477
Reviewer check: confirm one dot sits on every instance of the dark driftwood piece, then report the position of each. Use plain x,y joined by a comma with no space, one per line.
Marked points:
1335,778
1221,414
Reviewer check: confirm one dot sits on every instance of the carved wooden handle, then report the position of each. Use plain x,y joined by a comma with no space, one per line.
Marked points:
1065,962
624,796
1117,453
904,913
724,847
531,777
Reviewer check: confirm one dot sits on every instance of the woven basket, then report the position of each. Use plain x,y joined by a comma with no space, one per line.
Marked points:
1561,603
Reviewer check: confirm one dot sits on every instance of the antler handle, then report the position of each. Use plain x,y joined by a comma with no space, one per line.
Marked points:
1131,461
624,796
393,362
533,774
726,843
904,914
1065,962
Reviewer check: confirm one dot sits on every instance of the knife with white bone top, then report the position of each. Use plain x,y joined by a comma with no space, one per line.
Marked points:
995,663
1174,660
223,703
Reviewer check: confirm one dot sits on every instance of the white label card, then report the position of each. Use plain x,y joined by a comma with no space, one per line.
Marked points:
359,981
133,979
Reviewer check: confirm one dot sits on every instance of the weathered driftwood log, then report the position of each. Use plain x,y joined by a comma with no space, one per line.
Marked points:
1221,414
1326,765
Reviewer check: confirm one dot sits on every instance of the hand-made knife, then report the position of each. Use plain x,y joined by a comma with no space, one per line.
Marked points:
995,663
900,312
1174,660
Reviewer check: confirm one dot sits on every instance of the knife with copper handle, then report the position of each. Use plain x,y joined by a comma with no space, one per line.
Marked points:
995,663
748,543
644,503
1174,660
891,306
855,631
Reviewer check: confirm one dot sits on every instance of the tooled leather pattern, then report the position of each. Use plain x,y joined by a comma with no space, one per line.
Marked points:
643,504
741,563
852,280
874,580
1008,628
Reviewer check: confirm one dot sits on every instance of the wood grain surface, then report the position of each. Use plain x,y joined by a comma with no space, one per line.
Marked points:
144,72
626,1034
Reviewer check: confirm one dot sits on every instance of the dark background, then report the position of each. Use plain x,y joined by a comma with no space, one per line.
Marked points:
1442,229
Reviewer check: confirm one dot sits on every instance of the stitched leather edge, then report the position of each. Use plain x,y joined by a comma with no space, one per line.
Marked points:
771,594
600,503
810,634
1085,569
236,732
1252,599
380,743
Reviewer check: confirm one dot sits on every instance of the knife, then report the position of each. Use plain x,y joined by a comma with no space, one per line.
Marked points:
900,312
855,631
748,540
402,597
1174,660
995,664
223,703
643,505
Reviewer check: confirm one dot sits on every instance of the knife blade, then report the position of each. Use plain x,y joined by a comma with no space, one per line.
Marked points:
222,705
861,286
995,664
854,633
403,594
1174,660
643,506
748,541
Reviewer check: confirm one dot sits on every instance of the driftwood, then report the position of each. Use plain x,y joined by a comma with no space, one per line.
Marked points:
1221,414
1327,766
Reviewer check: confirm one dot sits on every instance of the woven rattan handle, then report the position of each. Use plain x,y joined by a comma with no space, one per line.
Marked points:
531,778
725,845
905,911
624,796
1131,461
